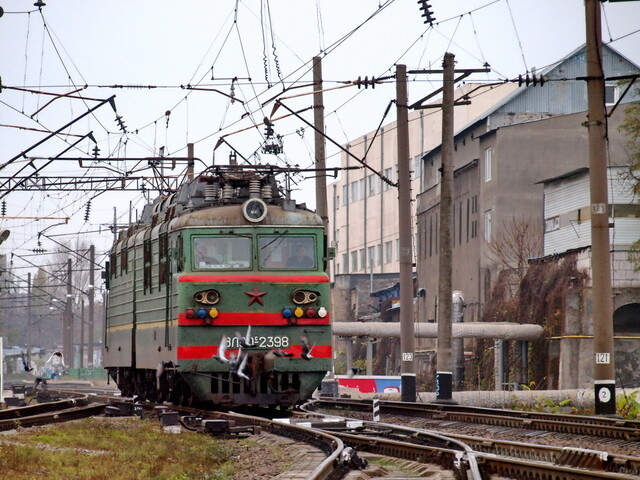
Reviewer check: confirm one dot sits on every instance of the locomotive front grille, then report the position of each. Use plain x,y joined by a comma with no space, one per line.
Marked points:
266,383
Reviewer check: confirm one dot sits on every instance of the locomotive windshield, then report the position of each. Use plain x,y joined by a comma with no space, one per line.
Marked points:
221,252
290,252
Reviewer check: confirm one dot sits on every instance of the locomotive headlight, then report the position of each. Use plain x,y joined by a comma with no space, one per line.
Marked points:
322,312
286,312
302,297
202,313
191,313
213,313
254,210
208,297
298,312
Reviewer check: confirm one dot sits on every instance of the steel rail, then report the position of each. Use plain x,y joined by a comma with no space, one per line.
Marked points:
41,408
57,416
568,456
504,457
331,444
407,443
602,427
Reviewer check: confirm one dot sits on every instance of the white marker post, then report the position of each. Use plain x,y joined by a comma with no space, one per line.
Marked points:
376,409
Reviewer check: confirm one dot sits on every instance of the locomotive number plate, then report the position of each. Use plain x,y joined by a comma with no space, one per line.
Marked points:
261,342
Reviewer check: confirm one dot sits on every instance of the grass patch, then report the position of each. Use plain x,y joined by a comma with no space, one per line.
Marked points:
128,449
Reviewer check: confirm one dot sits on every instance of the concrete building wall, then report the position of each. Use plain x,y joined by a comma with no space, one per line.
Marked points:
351,295
567,217
575,345
522,156
371,221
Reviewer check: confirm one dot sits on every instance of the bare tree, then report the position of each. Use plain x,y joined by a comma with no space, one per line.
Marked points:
519,240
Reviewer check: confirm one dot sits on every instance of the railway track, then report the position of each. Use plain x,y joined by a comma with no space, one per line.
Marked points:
508,459
55,411
600,427
344,448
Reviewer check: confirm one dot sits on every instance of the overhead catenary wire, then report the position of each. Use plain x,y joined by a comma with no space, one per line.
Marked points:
121,145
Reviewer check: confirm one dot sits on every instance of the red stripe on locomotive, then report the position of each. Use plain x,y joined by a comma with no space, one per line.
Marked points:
254,278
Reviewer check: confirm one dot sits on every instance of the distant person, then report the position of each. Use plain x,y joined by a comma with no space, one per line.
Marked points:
300,259
202,255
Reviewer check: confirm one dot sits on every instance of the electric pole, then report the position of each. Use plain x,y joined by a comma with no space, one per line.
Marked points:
444,364
603,349
92,288
67,334
318,121
407,328
28,320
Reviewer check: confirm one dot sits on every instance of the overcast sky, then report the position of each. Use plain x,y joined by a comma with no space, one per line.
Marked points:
266,46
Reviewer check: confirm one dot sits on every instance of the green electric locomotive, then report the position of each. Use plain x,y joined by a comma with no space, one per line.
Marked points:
219,294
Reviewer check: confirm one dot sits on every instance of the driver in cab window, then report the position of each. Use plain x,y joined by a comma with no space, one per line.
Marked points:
300,259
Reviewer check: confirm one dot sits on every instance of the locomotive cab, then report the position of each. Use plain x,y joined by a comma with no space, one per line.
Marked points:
226,301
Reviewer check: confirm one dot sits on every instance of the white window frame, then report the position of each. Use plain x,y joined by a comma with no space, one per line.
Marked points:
371,254
388,252
488,161
616,93
354,191
371,184
487,225
388,173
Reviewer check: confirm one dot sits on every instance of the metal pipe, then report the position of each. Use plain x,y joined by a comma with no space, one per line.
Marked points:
490,330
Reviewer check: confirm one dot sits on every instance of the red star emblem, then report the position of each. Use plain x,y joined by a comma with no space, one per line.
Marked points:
255,295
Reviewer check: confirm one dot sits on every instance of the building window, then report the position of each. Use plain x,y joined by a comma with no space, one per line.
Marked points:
417,163
354,191
487,226
468,211
488,154
460,224
610,94
371,179
345,195
362,189
388,174
552,224
380,254
371,251
354,261
430,236
363,259
388,252
345,262
474,211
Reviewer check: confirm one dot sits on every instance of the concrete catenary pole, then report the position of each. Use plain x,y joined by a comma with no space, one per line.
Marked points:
604,371
81,356
67,342
321,177
29,322
407,338
91,293
318,121
444,363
